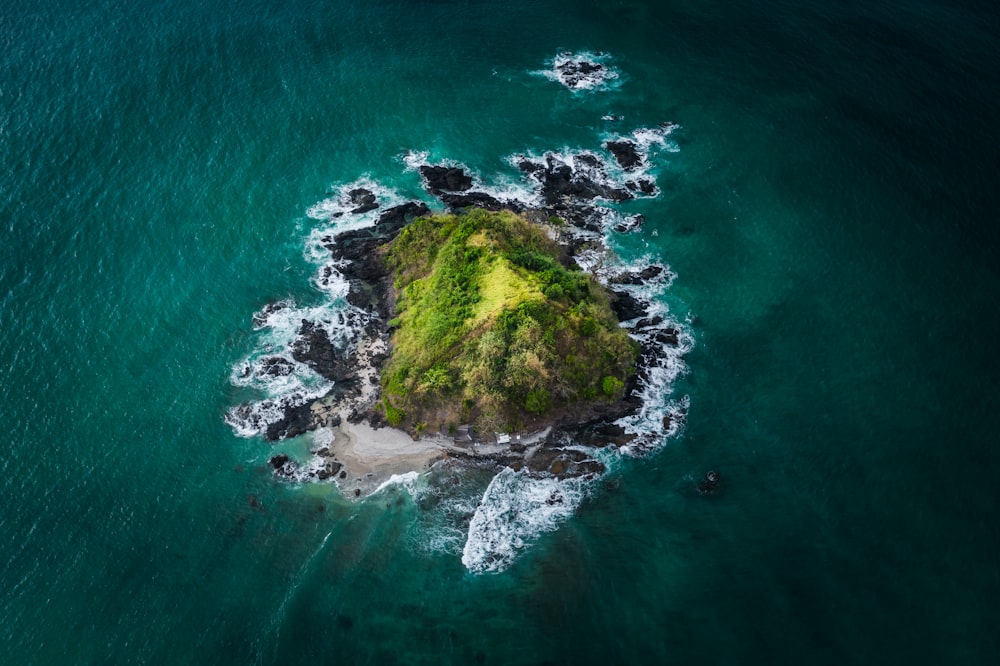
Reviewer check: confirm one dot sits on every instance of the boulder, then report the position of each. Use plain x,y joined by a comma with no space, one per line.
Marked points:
363,200
278,461
627,306
296,420
640,277
630,223
314,348
329,470
276,366
644,185
445,179
626,152
472,199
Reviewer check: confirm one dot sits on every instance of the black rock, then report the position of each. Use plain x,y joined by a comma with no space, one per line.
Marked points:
472,199
710,484
276,366
642,277
667,336
644,185
313,347
648,323
527,166
331,469
562,463
371,297
278,461
445,179
363,199
392,220
630,223
361,245
626,153
260,317
295,421
579,215
602,434
574,72
626,306
560,182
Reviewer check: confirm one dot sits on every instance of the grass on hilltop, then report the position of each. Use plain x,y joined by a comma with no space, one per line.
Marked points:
493,328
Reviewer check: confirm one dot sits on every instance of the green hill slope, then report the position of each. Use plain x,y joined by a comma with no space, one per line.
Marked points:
493,329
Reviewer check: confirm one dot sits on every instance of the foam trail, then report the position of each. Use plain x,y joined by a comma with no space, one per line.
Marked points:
514,511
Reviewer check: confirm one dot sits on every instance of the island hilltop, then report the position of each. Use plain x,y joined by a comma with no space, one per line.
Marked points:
496,326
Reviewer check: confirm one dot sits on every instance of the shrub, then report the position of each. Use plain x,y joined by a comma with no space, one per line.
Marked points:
394,416
611,386
538,401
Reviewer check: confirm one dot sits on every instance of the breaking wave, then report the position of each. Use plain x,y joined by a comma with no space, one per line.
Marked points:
515,509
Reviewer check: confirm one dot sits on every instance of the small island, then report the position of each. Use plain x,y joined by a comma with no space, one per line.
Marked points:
500,332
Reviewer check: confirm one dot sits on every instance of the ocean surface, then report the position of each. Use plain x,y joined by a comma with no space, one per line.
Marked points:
828,209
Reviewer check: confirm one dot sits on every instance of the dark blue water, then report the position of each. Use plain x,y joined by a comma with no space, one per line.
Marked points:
830,214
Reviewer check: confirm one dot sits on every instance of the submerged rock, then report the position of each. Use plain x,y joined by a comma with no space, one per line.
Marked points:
363,200
581,71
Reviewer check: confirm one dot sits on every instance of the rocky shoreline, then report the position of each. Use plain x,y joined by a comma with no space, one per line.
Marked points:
570,189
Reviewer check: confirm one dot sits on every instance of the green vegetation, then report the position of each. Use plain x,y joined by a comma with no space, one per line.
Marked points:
492,328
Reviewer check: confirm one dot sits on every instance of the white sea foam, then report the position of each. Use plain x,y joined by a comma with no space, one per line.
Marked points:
334,214
653,138
407,481
340,204
514,511
502,187
659,416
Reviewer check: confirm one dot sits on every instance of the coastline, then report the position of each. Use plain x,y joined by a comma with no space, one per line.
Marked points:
361,449
371,456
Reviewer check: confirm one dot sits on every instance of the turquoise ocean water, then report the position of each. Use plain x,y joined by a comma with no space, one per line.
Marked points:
830,214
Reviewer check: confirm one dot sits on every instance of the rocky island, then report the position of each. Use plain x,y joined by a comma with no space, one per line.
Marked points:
482,334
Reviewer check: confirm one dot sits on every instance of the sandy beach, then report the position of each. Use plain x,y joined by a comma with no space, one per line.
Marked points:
370,456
